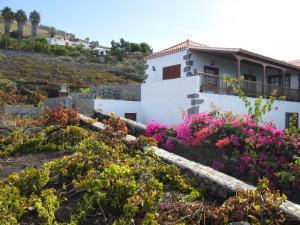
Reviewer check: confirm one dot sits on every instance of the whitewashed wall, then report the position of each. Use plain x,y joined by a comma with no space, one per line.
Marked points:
228,103
119,107
160,62
165,100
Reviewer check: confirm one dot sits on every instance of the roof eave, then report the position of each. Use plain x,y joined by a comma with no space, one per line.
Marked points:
249,54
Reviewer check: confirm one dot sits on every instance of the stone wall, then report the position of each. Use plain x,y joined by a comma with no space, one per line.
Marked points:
128,92
84,104
219,183
21,111
54,102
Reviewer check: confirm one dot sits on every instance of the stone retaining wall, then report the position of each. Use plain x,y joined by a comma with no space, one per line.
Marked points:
128,92
219,183
21,111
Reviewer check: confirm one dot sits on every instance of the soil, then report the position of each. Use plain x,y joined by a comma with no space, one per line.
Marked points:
9,165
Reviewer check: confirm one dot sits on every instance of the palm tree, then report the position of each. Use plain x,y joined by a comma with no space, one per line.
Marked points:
21,18
8,16
35,19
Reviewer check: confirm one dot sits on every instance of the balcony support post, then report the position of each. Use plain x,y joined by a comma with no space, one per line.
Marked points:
283,82
299,87
238,67
264,79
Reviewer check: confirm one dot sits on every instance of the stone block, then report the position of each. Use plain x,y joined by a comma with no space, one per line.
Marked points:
189,74
193,110
194,95
187,56
197,101
189,62
187,68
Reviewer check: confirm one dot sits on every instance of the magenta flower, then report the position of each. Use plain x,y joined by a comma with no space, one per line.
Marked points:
169,145
217,165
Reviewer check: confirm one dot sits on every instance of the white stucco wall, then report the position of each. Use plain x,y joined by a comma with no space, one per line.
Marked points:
160,62
228,103
166,100
119,107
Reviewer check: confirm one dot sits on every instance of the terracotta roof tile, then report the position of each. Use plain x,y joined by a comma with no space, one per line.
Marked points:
176,48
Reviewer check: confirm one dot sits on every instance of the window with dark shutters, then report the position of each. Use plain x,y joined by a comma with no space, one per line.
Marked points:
171,72
131,116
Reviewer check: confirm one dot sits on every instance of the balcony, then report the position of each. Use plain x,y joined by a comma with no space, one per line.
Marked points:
214,84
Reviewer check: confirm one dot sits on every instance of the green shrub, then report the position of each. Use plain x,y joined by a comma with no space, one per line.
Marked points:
7,85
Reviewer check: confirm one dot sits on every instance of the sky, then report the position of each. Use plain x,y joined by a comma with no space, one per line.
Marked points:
268,27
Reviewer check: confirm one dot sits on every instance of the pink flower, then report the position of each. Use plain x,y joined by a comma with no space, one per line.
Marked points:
158,138
169,145
234,141
154,128
217,165
222,143
184,132
245,160
201,135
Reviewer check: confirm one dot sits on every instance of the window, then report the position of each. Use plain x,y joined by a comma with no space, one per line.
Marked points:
291,120
130,116
211,70
250,77
171,72
274,80
287,81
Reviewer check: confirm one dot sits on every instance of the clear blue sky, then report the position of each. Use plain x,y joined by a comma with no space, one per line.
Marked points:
270,27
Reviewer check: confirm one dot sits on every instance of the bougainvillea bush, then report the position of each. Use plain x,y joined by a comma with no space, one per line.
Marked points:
237,145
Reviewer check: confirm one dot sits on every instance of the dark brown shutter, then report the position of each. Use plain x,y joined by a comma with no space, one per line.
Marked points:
171,72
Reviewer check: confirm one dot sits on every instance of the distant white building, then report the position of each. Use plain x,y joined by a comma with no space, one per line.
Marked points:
188,77
59,41
84,44
101,50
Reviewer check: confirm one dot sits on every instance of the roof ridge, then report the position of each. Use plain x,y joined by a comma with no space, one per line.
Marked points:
175,48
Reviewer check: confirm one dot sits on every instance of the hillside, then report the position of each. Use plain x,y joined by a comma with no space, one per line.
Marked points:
47,72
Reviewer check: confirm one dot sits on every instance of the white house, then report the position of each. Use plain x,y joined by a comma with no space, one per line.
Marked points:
188,78
101,50
59,41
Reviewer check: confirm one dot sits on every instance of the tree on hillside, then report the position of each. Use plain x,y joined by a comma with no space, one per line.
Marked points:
126,46
35,19
52,32
145,48
21,18
8,16
134,47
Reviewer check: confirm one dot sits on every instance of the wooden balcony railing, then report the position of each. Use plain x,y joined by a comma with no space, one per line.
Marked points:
215,84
